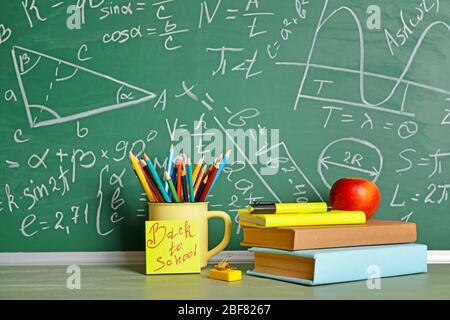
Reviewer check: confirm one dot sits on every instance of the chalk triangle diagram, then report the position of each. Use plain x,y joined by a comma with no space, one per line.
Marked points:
56,91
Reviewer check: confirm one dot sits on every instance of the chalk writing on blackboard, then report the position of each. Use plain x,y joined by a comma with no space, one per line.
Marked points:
45,112
358,157
371,102
323,20
5,33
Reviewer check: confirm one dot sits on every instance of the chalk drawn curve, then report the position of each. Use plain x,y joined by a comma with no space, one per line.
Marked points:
323,162
323,20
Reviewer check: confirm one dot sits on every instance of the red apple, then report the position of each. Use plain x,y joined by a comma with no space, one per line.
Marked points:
355,194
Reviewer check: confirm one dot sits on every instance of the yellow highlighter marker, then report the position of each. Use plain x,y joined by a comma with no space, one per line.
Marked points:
303,207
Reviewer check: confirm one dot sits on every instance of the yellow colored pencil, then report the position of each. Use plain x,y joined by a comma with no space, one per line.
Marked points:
141,176
197,168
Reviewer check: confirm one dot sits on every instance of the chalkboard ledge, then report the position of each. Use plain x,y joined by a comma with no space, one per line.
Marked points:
138,257
104,257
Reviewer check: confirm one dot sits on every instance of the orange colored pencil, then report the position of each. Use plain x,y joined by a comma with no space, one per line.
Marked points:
199,180
210,181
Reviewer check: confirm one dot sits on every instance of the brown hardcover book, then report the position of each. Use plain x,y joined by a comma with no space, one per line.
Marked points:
284,265
374,232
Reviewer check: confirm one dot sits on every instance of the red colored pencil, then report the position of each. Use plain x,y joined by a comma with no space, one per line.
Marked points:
152,184
210,181
179,172
201,188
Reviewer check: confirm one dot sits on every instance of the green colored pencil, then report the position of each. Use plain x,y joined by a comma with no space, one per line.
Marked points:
189,179
171,186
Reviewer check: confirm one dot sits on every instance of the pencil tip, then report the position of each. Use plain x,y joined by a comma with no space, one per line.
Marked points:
200,161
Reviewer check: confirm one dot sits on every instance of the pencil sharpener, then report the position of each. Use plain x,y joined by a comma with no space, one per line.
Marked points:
225,275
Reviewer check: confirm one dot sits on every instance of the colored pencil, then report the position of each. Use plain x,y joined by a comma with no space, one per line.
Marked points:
169,193
208,171
199,180
157,179
150,181
190,180
211,166
140,174
218,159
171,187
181,181
169,165
179,172
222,165
197,169
201,188
174,178
185,187
210,180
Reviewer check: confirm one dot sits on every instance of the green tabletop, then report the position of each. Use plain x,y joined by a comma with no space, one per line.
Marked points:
130,282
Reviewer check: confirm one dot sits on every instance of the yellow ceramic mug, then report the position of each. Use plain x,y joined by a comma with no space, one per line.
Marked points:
194,211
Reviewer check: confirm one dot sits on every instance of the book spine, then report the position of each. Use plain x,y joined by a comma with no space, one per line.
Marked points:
364,235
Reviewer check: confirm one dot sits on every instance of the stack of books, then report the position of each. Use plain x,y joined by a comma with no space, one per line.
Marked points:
314,248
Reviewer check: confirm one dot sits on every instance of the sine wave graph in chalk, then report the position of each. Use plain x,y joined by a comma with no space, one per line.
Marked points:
400,83
52,89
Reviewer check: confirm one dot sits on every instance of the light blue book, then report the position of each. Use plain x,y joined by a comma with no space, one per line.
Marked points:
340,264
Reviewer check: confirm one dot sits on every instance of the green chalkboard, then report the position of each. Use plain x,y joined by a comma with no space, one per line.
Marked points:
302,92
